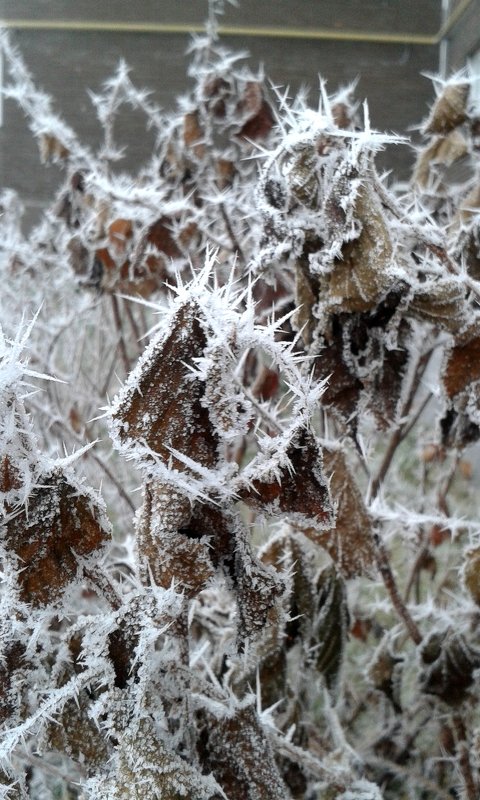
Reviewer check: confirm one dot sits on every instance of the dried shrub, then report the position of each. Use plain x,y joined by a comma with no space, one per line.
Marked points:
288,608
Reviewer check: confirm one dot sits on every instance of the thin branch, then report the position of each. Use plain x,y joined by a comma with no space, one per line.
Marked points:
383,564
121,341
133,323
463,754
236,245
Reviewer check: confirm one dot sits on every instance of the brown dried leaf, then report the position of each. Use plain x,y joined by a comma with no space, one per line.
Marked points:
471,573
303,593
145,278
266,383
164,408
75,419
317,609
449,109
445,150
9,475
342,115
361,277
59,525
75,735
120,232
306,296
237,752
160,236
462,367
173,550
384,672
255,111
258,590
449,662
52,149
193,134
343,389
272,671
299,491
13,665
216,92
78,256
441,303
146,769
330,622
225,173
349,541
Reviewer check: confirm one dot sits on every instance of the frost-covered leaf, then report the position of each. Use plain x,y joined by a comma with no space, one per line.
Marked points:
161,404
193,134
254,112
295,487
443,151
257,588
329,625
360,274
60,524
449,661
441,302
74,734
349,542
13,667
471,573
237,752
462,368
167,543
143,768
449,110
384,672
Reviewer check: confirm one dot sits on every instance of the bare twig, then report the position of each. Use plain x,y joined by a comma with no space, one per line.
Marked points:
119,328
471,789
383,564
236,245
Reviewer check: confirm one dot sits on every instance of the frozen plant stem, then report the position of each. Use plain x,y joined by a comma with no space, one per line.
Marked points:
119,328
385,569
463,752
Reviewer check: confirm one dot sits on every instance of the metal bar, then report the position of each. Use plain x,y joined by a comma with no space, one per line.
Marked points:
223,30
243,30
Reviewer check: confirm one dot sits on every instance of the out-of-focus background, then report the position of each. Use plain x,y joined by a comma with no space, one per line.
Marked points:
71,47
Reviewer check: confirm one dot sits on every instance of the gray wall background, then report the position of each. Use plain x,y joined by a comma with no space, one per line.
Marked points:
66,63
